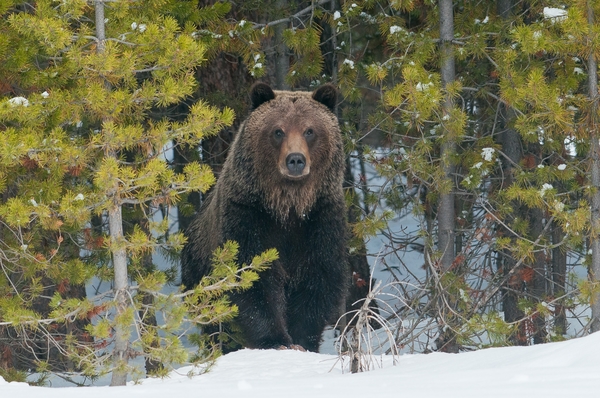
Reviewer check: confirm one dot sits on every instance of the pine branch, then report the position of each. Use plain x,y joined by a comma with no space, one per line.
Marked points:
295,16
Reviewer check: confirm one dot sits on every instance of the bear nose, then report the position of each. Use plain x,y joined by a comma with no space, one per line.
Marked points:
295,163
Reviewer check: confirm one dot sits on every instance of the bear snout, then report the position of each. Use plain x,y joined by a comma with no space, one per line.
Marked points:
295,163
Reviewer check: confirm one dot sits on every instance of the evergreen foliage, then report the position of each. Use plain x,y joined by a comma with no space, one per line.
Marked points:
534,212
507,140
80,144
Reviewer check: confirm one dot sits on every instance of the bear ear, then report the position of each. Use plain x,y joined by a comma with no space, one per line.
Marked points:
327,95
260,93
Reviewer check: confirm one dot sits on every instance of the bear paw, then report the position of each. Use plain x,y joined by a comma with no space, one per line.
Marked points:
296,347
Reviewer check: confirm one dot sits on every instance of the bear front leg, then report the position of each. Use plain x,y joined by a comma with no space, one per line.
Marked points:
262,307
306,327
261,313
312,306
320,288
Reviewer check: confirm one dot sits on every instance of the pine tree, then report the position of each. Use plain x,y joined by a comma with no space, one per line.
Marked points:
107,69
519,198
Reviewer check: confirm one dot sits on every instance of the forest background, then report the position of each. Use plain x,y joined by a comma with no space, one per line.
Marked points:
478,119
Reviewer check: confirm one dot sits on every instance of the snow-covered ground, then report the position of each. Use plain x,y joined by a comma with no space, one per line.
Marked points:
566,369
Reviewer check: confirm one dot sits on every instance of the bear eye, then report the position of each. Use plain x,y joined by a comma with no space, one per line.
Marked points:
278,133
308,132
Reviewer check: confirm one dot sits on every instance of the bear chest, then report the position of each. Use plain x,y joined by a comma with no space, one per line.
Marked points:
293,243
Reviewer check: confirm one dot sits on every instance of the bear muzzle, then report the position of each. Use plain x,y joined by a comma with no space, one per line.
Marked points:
295,163
296,166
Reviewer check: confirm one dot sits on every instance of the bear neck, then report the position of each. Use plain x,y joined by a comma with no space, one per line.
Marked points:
289,201
285,201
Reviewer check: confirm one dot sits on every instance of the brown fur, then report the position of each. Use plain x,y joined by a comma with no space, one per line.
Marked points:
282,195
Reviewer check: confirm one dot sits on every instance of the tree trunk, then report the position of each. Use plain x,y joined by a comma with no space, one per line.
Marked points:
149,317
119,257
512,147
538,283
359,270
445,214
119,254
595,177
223,81
282,58
559,273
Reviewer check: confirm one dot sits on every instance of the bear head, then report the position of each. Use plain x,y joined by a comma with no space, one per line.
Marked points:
296,147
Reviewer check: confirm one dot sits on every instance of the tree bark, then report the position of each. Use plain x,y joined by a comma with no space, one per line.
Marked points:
595,174
504,8
119,254
446,216
559,273
446,210
538,283
119,257
282,58
512,147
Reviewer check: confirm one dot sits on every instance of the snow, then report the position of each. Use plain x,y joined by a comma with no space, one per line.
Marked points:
555,14
485,20
423,86
18,101
487,154
545,187
559,206
350,63
566,369
395,29
141,27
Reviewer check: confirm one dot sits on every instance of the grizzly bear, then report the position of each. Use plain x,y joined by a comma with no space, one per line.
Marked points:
280,187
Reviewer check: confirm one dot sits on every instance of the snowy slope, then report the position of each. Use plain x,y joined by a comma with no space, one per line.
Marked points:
566,369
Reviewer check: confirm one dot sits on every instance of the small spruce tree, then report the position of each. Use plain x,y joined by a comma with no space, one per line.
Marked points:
95,75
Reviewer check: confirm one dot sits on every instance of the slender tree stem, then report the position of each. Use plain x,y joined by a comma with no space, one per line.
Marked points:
334,64
595,172
282,59
445,216
446,209
100,28
300,13
119,254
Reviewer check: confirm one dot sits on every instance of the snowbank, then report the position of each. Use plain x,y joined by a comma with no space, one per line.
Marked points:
566,369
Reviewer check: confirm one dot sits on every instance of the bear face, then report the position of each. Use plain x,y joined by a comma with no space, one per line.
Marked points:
294,147
295,141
